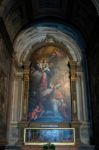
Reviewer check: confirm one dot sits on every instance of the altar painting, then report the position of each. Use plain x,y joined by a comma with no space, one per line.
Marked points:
49,90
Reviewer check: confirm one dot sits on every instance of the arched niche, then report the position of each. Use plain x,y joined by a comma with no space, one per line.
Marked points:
44,38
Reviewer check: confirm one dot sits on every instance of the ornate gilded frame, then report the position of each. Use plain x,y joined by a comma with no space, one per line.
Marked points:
55,143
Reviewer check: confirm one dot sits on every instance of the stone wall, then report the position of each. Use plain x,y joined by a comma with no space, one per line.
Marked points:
93,67
5,67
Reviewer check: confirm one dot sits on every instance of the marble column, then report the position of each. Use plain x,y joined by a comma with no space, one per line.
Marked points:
73,77
74,118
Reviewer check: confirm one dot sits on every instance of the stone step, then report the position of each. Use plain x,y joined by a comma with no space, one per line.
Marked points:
60,148
12,148
87,147
41,148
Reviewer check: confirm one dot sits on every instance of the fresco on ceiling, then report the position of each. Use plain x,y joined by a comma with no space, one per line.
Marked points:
49,92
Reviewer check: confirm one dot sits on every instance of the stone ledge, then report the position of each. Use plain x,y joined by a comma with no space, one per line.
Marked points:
90,147
38,147
56,148
12,148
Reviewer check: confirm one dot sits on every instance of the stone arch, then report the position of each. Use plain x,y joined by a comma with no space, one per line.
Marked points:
35,37
32,39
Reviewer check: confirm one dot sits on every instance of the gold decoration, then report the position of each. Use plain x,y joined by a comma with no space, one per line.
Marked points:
26,89
73,70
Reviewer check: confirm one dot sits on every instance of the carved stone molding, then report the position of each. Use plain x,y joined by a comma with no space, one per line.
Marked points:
73,70
73,77
32,38
26,90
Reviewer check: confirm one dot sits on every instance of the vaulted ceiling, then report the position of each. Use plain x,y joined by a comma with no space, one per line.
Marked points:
18,14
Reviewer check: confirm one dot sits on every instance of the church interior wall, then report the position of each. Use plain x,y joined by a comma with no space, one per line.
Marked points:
5,72
15,16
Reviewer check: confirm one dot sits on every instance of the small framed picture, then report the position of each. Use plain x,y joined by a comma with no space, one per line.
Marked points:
57,136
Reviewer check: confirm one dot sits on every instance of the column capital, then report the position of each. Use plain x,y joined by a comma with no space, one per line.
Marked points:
26,65
73,70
